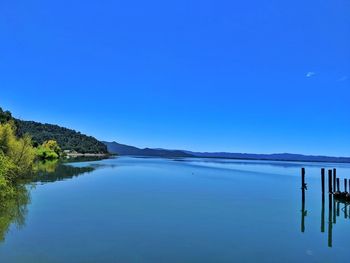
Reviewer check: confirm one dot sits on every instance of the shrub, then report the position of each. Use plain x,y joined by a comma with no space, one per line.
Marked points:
49,150
17,153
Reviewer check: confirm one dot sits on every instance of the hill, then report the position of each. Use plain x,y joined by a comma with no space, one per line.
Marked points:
67,139
122,149
276,157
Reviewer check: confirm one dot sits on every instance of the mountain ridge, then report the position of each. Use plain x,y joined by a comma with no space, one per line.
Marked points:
67,139
123,149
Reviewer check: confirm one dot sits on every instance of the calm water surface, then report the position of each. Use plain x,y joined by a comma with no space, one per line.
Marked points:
185,210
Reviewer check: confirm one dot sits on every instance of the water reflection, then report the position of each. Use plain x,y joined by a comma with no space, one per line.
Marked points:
52,171
14,210
303,211
323,215
337,210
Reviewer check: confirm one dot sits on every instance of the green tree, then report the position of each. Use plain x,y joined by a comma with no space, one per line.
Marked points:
17,154
49,150
5,116
6,136
53,146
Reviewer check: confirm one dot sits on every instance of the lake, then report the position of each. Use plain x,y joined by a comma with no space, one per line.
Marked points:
175,210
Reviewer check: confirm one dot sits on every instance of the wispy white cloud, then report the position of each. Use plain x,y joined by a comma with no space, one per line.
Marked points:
310,74
343,78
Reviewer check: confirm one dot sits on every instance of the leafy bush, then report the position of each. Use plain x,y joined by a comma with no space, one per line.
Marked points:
49,150
18,151
6,172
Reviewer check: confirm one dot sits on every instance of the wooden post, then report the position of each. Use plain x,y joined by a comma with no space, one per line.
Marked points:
346,185
303,186
323,200
338,185
334,179
330,188
303,211
322,180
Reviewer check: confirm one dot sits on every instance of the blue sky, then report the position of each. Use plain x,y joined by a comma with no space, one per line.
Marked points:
241,76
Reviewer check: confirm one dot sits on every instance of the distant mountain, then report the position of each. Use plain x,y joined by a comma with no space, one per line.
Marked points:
72,140
277,157
122,149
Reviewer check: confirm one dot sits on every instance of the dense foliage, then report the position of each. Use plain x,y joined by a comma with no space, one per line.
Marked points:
19,162
67,139
5,116
49,150
17,156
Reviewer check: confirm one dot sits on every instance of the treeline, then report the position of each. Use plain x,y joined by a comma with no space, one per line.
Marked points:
67,139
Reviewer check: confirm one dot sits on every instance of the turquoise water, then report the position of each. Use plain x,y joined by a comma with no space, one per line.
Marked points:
184,210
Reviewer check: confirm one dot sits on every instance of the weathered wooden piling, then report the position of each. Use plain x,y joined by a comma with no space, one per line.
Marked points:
334,179
303,185
322,181
338,185
346,185
330,189
303,211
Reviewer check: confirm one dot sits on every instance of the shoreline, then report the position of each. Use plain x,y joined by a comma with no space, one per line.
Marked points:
87,154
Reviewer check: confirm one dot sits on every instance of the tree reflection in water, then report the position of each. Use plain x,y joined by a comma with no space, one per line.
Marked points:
13,210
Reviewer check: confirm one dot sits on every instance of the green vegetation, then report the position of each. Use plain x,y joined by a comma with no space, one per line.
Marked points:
24,160
23,142
14,210
17,154
67,139
49,150
5,116
17,157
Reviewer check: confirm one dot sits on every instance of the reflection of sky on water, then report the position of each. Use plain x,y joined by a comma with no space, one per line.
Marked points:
181,210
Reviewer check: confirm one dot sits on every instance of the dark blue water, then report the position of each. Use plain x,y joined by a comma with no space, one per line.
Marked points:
184,210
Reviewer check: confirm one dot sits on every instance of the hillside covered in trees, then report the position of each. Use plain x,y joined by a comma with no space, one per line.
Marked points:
67,139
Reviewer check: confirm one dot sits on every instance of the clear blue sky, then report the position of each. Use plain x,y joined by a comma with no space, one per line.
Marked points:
242,76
